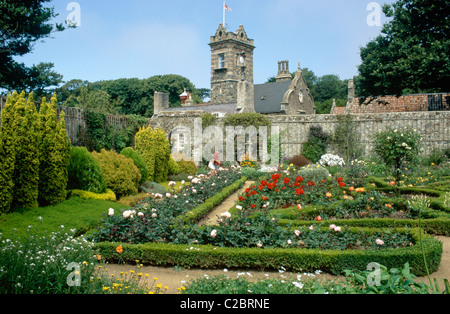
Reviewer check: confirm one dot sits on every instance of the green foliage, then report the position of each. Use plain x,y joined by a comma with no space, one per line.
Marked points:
247,119
138,161
7,153
174,168
208,119
85,172
121,174
188,167
154,147
152,187
25,23
412,53
404,147
26,171
345,139
316,145
54,155
107,196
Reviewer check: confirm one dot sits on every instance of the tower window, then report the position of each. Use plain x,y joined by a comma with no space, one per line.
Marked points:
221,61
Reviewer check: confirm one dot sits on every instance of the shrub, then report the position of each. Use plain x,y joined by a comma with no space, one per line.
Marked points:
313,172
188,167
121,174
251,173
138,161
174,169
84,172
299,161
26,169
54,155
404,147
154,147
316,146
107,196
152,187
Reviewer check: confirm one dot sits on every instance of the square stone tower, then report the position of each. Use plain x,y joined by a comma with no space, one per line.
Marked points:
231,62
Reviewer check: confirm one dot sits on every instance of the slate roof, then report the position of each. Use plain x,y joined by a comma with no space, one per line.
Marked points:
268,96
227,108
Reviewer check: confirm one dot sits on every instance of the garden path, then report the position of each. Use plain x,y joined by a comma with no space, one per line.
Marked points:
225,206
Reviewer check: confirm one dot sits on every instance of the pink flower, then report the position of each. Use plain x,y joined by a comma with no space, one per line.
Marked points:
332,227
379,242
337,229
297,232
299,206
154,215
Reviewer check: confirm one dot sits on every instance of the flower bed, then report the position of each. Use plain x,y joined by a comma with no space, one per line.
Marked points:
252,237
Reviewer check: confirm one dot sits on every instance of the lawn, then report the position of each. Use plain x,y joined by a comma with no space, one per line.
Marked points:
74,213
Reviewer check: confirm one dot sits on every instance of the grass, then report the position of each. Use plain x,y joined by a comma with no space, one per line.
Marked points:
74,213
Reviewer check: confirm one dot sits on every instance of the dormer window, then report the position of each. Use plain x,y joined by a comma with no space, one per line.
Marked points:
221,61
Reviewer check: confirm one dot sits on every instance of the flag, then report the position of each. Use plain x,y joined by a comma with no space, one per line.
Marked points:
227,7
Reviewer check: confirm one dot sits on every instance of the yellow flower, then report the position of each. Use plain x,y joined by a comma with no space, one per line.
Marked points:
159,286
155,279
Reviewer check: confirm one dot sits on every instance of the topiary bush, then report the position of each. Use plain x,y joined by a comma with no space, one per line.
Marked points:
84,172
154,147
299,161
138,161
316,146
121,174
188,167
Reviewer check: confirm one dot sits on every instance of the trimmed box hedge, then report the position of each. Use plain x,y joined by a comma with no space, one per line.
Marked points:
295,259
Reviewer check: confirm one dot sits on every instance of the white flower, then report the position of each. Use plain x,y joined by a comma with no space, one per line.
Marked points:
298,284
214,233
238,207
183,182
311,227
337,229
332,227
297,232
168,195
140,214
259,244
289,242
154,215
172,183
226,215
111,212
379,242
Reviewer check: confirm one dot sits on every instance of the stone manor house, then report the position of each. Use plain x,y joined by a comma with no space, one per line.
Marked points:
232,86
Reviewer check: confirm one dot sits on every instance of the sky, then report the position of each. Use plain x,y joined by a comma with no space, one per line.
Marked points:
142,38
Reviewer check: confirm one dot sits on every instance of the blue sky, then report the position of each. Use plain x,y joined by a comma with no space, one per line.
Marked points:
142,38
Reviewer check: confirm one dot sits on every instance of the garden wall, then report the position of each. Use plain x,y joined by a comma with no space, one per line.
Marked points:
433,126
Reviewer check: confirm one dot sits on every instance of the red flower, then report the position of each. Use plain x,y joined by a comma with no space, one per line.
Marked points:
263,182
247,190
253,206
296,184
318,218
339,179
299,191
241,198
351,189
261,187
276,190
264,198
311,183
286,180
341,184
299,179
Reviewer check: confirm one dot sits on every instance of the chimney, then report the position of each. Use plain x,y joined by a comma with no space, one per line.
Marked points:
283,72
160,103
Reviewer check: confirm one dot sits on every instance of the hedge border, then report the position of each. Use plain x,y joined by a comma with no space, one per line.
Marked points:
295,259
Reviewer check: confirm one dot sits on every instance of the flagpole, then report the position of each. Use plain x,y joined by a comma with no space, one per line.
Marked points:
223,7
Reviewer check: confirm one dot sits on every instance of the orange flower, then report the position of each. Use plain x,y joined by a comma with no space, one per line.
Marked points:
388,205
392,183
351,189
99,257
329,194
299,206
119,249
319,218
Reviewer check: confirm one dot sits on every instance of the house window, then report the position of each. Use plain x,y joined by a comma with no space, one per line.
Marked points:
181,142
221,61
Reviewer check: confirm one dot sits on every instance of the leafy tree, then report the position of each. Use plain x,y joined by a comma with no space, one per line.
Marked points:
413,52
23,23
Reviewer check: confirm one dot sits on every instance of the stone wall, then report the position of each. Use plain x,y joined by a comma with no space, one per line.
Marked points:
433,126
406,103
